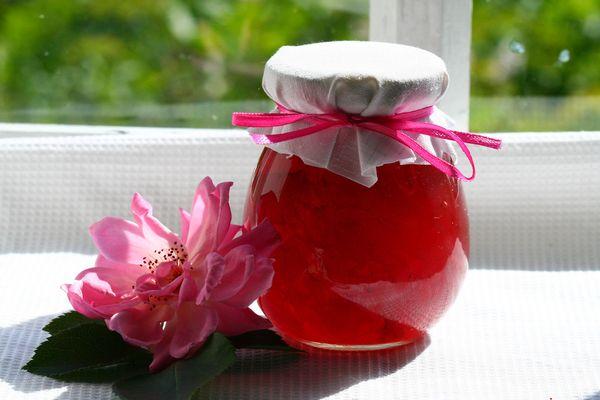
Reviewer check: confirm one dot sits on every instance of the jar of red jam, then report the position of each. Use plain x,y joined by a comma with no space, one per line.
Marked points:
375,240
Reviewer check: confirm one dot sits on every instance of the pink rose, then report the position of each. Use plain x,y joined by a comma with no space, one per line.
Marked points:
168,293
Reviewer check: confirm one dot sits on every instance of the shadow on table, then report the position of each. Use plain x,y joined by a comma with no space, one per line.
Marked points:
257,375
17,344
307,376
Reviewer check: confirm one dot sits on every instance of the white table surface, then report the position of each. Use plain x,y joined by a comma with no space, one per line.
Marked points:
510,335
526,324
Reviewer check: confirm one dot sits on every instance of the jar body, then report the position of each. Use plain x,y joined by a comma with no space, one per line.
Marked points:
359,268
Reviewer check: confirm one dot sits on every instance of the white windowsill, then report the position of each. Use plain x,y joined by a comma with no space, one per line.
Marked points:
20,130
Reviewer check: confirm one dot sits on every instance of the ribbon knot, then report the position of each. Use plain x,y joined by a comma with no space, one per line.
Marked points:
354,119
393,126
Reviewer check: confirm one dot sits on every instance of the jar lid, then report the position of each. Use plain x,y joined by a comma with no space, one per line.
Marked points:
366,78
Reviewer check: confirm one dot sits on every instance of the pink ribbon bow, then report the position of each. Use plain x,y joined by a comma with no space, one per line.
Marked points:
393,126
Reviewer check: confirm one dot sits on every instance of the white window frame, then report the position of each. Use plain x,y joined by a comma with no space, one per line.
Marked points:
440,26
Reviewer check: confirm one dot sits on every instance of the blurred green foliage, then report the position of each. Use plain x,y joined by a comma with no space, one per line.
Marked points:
535,65
536,48
192,62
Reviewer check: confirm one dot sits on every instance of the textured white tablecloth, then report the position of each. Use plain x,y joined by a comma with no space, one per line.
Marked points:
525,326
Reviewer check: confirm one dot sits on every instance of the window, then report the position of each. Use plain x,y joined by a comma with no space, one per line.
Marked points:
190,63
535,68
153,63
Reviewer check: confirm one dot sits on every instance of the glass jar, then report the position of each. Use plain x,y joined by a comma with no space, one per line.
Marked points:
375,240
359,267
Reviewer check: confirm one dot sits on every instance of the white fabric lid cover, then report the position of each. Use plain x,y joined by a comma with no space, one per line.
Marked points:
366,78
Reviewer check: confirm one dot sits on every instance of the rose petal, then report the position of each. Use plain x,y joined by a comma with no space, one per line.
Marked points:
184,222
197,216
120,240
109,280
239,264
101,292
160,351
210,218
118,274
114,308
255,286
147,286
188,291
264,238
153,230
235,321
75,298
194,324
103,262
231,233
213,267
141,326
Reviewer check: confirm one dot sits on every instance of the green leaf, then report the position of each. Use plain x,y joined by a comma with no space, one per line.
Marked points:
184,378
262,339
87,353
67,321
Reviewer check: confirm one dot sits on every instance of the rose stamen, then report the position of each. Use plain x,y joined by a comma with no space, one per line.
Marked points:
176,252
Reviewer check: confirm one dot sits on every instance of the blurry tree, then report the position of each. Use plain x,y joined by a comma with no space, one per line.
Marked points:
56,52
85,57
536,47
535,65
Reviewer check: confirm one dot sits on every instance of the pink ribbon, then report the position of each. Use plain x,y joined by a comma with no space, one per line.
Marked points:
393,126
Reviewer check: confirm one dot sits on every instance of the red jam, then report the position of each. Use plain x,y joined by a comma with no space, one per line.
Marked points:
360,267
